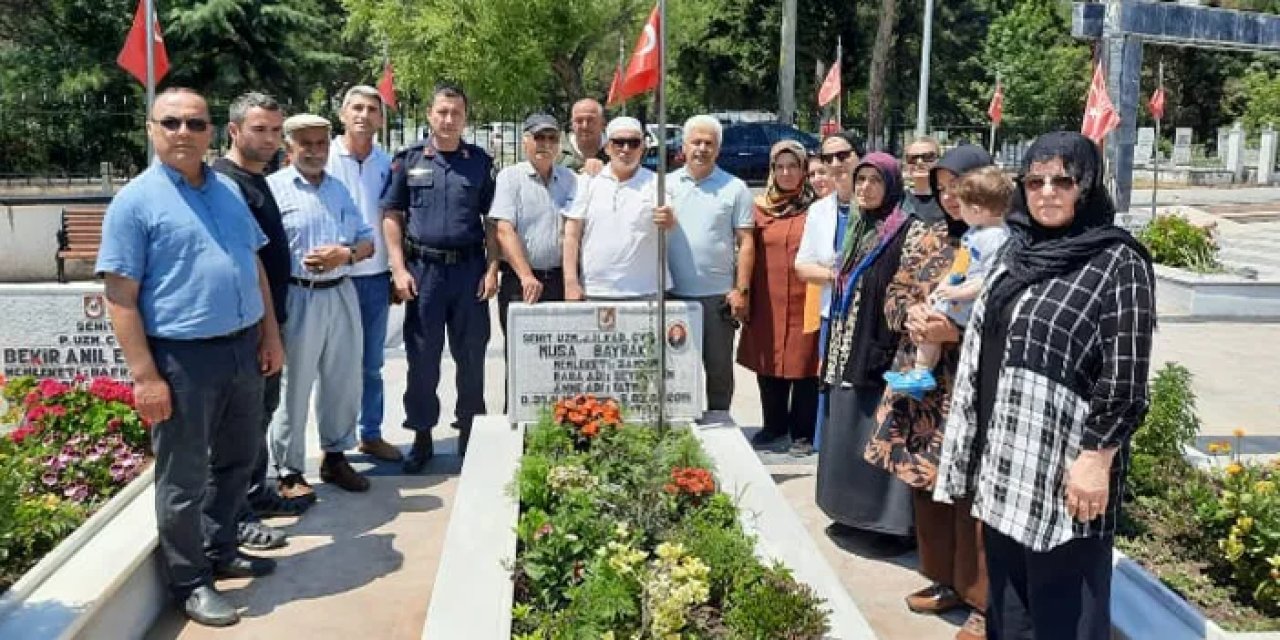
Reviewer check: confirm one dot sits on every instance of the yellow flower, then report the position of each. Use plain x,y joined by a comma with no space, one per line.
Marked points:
1245,523
1224,447
1264,487
1234,469
1239,433
1215,447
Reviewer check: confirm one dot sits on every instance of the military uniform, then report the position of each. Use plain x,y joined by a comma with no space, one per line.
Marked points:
445,196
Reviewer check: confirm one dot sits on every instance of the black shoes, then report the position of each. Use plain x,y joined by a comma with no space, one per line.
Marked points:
464,437
210,608
769,441
244,566
420,453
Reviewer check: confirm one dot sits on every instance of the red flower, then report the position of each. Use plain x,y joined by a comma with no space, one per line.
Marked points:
32,397
50,388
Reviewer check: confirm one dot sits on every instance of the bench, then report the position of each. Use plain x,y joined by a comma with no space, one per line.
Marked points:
79,237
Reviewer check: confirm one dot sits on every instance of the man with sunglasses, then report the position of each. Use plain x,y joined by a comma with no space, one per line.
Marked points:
920,157
613,227
528,202
191,309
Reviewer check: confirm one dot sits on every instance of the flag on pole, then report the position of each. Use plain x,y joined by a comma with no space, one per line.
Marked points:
387,86
133,57
995,110
642,73
830,88
615,85
1156,105
1100,116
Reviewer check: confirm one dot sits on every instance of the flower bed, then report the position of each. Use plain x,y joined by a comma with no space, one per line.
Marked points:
623,534
1210,534
74,446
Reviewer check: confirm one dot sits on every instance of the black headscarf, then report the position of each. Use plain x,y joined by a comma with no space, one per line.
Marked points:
1036,253
959,161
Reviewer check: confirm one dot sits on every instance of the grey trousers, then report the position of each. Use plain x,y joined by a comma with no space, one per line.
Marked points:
204,452
324,345
718,330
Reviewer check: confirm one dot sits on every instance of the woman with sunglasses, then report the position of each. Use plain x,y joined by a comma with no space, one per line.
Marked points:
773,343
909,436
917,165
1051,384
861,346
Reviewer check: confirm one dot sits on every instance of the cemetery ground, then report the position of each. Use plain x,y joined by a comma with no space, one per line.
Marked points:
363,565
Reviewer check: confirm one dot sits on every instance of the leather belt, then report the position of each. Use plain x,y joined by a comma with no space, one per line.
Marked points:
542,274
317,284
415,250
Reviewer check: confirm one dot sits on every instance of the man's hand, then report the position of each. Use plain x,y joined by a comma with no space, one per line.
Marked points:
151,397
531,289
664,216
270,354
406,287
737,304
488,285
326,258
1088,481
592,167
572,291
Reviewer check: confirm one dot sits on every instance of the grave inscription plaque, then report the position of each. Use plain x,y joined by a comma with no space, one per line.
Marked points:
58,331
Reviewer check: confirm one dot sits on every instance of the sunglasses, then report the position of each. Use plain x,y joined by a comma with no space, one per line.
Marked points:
627,143
1059,183
913,158
838,156
546,137
194,125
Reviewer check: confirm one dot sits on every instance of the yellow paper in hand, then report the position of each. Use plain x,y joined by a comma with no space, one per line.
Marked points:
812,308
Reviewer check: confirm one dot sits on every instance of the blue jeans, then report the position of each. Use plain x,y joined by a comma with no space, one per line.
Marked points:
374,294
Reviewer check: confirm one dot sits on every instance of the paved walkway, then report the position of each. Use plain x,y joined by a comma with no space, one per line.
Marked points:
364,565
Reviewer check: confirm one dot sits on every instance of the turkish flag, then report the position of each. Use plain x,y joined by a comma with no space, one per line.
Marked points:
613,86
133,57
1156,105
387,86
1100,116
643,72
995,110
830,86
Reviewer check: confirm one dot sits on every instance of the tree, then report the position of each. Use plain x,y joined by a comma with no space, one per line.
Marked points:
880,56
1045,72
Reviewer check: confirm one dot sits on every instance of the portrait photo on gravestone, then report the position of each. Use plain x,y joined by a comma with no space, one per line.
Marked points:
606,349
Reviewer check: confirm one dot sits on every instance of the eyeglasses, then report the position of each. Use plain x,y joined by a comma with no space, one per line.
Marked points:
627,143
928,157
838,156
1059,183
194,125
546,137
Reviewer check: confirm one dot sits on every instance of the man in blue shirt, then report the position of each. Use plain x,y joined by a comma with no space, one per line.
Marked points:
444,264
191,309
327,237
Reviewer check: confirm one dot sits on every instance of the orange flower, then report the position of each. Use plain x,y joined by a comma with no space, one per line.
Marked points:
1239,433
591,429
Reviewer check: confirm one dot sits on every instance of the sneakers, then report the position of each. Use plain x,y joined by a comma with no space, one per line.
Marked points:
295,487
935,598
913,383
380,449
259,537
336,470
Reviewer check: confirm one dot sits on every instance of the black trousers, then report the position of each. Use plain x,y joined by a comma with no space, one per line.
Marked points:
259,490
789,406
205,451
1060,594
509,290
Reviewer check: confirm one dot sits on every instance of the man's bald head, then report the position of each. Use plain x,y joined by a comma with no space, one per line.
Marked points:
588,125
180,94
588,104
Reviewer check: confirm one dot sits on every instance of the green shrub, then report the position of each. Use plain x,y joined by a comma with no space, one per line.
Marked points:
1175,242
773,606
1170,424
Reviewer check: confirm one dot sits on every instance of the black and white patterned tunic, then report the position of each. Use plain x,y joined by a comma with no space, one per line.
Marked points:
1074,377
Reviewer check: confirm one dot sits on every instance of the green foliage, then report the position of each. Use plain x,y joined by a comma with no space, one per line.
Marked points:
775,606
1045,72
1171,422
1244,521
1261,92
1174,241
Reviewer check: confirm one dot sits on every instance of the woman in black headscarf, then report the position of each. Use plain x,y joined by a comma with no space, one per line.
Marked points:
861,346
909,437
1052,382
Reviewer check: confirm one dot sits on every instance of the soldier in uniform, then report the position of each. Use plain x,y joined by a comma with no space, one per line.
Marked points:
444,263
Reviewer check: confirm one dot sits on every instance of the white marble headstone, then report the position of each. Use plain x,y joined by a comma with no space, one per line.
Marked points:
1182,146
560,349
57,331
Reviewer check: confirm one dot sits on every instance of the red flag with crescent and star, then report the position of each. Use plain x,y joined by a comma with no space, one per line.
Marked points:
387,86
830,86
642,72
995,110
1100,116
1156,105
133,57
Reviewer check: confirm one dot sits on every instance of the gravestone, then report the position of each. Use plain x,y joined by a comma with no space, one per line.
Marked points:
1182,147
1146,144
1224,142
1266,155
58,331
608,349
1235,152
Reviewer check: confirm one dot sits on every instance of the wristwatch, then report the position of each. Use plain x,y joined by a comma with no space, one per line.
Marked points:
351,257
744,290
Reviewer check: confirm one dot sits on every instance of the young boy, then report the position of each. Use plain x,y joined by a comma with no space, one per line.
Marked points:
984,197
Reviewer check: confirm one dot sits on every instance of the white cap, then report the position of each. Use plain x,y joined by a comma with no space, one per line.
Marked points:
623,123
304,121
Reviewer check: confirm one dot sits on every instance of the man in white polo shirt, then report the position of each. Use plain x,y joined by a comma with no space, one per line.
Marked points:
612,229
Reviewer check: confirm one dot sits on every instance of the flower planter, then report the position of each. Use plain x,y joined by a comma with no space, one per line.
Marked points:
1208,296
102,581
473,593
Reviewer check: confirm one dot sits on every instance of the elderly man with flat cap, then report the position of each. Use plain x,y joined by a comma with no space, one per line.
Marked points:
327,236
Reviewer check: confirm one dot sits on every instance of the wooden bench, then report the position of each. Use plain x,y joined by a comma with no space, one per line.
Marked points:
80,236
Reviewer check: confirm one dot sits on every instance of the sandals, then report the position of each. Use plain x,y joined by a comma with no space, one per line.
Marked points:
260,537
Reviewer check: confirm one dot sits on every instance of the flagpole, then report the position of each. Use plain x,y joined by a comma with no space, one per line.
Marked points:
661,104
622,64
1155,147
840,93
151,69
991,145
